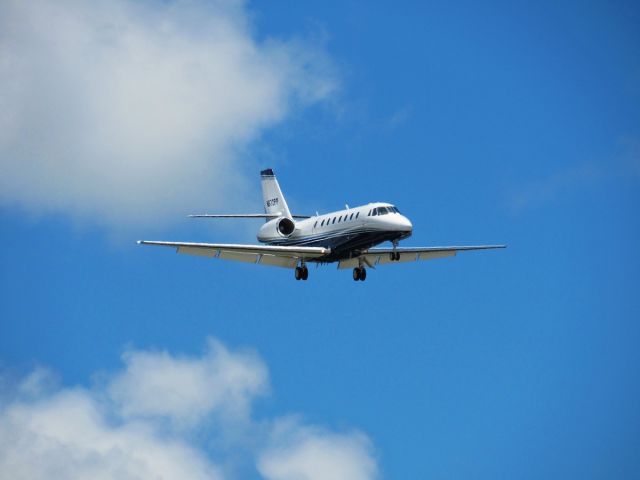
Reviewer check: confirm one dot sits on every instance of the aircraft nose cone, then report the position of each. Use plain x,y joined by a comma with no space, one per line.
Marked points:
404,224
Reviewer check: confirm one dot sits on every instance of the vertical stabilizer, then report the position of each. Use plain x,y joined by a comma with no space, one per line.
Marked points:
274,202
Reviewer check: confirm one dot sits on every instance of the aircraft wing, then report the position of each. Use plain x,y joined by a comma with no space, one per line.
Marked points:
381,256
261,254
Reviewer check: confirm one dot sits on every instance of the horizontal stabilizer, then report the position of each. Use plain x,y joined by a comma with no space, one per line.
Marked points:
245,215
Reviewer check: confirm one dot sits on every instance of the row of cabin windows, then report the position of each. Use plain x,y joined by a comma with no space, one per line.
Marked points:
339,219
382,211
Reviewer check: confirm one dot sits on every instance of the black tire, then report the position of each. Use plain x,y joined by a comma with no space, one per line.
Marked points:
397,256
363,274
298,273
392,256
356,274
305,273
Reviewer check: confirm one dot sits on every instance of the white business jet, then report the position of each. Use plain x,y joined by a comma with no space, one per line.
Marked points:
346,236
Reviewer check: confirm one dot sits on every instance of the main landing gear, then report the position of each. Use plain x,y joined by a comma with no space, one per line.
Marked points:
359,273
302,272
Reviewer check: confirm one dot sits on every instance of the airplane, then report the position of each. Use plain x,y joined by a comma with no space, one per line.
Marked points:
345,236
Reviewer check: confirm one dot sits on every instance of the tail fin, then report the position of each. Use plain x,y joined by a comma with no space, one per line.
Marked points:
274,202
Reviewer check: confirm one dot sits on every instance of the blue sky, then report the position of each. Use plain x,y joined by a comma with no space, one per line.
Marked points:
497,123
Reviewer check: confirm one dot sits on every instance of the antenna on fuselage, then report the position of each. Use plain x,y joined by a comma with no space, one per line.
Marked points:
346,206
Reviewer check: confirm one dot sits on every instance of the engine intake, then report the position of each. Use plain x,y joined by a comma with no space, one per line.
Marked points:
285,226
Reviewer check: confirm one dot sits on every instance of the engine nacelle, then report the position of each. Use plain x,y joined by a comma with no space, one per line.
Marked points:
276,229
286,226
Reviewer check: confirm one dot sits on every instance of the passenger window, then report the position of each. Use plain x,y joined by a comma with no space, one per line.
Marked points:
369,214
339,218
351,217
315,224
375,212
334,220
322,223
357,214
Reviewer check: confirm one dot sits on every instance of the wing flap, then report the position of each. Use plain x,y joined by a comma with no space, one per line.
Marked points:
238,256
202,252
273,261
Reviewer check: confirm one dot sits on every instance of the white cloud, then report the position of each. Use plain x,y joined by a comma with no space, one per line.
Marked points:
118,430
67,436
127,111
300,452
187,390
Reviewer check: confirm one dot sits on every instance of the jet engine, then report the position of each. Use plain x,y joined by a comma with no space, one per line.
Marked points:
277,228
285,226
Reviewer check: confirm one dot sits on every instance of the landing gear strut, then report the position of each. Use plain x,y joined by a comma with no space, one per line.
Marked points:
395,255
359,273
301,272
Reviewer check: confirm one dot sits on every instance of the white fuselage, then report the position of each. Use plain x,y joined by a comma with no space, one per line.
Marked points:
345,232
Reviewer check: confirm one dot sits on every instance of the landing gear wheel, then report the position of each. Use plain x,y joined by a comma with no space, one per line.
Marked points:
298,273
397,256
305,273
359,273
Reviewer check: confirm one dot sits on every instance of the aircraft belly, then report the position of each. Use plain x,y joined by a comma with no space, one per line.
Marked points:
344,244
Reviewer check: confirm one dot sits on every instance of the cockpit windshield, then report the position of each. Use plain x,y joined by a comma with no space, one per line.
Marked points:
385,210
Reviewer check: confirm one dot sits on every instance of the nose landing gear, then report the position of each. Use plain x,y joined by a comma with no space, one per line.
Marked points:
395,255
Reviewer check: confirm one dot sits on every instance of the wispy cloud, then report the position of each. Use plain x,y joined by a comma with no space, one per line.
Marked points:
622,166
147,421
126,111
547,190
